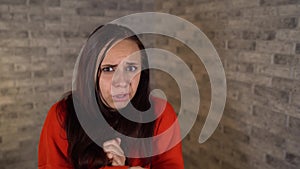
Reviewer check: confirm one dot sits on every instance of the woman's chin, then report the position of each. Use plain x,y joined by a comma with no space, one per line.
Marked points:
120,105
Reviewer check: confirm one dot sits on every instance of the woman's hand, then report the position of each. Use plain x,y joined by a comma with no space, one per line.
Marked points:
114,152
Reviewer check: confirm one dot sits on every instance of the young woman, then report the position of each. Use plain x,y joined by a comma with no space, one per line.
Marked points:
112,73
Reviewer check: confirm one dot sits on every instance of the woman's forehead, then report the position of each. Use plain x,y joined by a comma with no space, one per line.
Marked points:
125,50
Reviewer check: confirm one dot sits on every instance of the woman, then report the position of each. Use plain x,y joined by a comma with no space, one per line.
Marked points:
112,74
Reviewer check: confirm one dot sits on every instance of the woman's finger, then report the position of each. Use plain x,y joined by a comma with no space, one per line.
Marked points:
113,141
118,160
113,149
113,146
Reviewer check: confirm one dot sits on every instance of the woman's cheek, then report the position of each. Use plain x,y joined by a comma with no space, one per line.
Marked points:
135,83
105,86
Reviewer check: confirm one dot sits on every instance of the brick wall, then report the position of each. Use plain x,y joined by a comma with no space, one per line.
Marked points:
39,42
258,42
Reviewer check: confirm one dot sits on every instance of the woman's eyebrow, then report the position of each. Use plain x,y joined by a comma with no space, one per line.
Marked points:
109,65
131,63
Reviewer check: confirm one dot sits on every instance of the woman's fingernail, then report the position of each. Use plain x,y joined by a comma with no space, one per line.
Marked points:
119,140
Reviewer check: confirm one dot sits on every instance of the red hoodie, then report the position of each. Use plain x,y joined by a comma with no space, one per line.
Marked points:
53,144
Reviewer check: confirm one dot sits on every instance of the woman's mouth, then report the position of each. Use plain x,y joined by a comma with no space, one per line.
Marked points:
120,97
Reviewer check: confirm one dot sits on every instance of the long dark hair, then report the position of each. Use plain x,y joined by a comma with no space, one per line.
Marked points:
83,152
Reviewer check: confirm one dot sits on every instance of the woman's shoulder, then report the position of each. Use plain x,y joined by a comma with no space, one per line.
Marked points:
165,113
57,111
163,108
54,122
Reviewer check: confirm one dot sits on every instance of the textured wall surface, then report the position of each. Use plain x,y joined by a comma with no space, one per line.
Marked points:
258,42
39,42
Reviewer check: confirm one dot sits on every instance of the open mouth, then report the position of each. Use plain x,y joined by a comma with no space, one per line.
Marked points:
120,97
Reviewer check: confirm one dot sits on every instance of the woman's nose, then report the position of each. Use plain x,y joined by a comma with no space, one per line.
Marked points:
120,79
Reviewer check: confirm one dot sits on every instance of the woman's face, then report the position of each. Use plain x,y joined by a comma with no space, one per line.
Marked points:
120,74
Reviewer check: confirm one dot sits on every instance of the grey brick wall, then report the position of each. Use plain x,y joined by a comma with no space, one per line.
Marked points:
258,42
39,42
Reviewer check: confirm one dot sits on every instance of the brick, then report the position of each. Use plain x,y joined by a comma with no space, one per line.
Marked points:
53,3
73,34
296,98
261,35
131,6
293,159
32,26
274,22
277,2
235,156
277,163
267,142
233,34
21,67
6,16
6,100
272,70
283,84
8,67
5,34
45,42
72,42
239,67
226,165
241,44
245,3
274,47
237,110
272,94
235,135
7,83
27,52
44,18
15,91
290,10
288,35
251,57
249,78
288,23
19,17
4,8
282,59
14,42
297,73
47,74
14,2
19,107
46,34
293,127
239,125
293,147
31,83
275,99
297,48
90,12
240,87
268,120
265,11
148,6
36,2
14,75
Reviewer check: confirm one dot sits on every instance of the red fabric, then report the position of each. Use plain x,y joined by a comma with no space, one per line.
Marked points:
53,144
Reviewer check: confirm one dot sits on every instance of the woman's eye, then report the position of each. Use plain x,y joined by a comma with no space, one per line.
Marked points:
107,69
131,68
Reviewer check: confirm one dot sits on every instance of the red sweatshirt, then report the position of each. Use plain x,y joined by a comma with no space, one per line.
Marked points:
53,144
